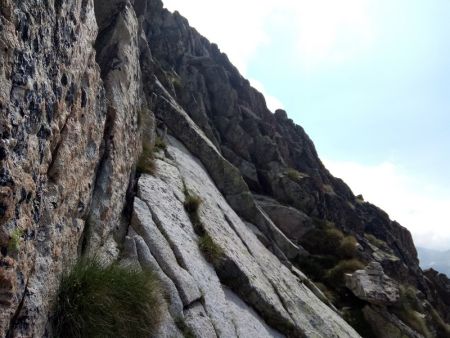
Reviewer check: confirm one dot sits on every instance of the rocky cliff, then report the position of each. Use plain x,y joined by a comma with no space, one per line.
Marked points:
114,114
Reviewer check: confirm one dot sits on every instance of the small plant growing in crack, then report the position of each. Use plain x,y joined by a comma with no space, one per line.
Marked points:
212,252
146,161
14,240
107,301
293,174
192,204
160,144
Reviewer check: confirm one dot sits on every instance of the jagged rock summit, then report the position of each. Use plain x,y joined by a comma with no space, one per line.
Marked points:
128,136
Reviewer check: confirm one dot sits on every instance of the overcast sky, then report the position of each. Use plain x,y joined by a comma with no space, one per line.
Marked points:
369,80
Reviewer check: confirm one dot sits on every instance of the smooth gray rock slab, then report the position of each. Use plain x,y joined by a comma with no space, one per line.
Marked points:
147,261
258,276
168,212
292,222
161,249
196,318
248,323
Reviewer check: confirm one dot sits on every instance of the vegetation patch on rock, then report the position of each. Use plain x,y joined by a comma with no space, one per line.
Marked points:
294,175
14,240
111,301
146,161
212,252
192,204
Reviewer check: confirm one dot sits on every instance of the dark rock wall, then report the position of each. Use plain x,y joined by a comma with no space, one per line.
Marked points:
262,145
68,132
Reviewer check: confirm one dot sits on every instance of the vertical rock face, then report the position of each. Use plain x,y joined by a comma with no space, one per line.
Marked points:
83,84
118,58
52,120
65,136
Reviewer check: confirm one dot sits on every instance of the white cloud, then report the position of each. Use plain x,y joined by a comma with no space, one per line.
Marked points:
330,31
326,31
273,103
422,209
236,26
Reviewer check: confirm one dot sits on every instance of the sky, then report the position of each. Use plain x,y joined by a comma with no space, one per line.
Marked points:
369,81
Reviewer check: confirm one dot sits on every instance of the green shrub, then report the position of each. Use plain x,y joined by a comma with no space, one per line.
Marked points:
347,248
315,266
112,301
146,161
443,328
415,320
323,240
192,203
375,241
293,174
14,240
336,274
409,310
160,144
212,252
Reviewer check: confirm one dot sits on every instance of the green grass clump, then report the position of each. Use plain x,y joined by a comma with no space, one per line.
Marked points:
416,321
146,161
324,239
347,248
293,174
409,310
14,240
336,274
192,203
375,241
160,144
443,328
212,252
111,301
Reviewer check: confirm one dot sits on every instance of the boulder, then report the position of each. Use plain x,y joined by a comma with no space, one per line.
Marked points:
292,222
373,285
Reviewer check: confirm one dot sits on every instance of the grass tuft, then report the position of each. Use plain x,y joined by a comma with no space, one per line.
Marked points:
14,240
212,252
293,174
410,311
375,241
192,203
347,248
336,274
146,161
160,144
111,301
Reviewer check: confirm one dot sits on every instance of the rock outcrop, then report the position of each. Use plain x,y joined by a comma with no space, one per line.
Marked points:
373,286
87,87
